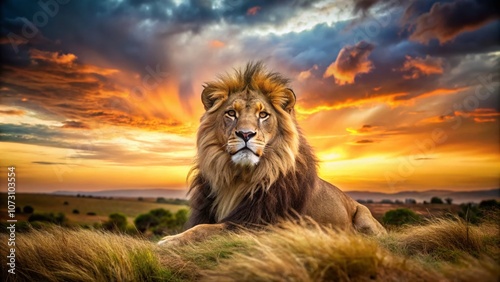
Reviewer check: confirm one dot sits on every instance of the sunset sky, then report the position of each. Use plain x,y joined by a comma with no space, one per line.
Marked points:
392,95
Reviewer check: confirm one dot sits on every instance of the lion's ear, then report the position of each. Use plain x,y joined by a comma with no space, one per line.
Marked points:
209,96
290,99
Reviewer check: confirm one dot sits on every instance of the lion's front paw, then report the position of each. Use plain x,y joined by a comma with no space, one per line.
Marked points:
173,240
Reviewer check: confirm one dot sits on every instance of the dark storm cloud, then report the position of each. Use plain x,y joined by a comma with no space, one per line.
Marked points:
445,21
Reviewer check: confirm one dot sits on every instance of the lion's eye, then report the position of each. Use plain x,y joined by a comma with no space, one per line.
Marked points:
263,114
231,113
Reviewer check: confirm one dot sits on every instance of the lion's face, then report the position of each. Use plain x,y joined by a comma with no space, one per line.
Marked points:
249,124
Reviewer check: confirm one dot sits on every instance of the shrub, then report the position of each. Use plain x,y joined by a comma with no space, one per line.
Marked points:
75,211
400,217
117,222
489,204
91,213
436,200
58,218
65,203
145,221
28,209
470,213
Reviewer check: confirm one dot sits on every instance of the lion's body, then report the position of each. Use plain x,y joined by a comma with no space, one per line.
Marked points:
254,166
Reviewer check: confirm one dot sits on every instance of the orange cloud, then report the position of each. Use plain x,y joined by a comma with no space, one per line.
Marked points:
351,61
442,91
480,115
217,44
304,75
422,66
253,11
389,99
54,57
12,112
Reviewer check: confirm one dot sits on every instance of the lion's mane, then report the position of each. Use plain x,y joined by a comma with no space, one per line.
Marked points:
278,187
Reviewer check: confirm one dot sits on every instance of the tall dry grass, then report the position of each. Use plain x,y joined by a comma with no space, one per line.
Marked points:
59,254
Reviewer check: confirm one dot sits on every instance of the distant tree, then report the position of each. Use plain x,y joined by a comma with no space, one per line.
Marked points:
65,203
91,213
361,201
75,211
140,199
28,209
387,201
400,217
426,203
436,200
78,195
449,201
369,201
116,222
410,201
398,201
161,200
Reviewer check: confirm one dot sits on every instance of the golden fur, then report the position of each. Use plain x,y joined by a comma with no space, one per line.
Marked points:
253,164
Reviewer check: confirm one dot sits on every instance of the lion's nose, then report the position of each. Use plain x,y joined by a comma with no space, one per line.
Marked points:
246,135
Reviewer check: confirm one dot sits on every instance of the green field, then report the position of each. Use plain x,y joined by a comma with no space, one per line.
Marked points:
102,207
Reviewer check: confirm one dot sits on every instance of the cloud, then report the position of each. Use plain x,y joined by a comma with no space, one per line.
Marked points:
217,44
253,11
304,75
445,21
364,141
417,67
479,115
48,163
12,112
75,124
351,61
52,57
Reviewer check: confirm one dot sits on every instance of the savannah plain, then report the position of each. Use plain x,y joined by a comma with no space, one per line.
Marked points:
439,245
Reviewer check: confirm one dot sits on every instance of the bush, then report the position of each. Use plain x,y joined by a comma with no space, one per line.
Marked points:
489,204
65,203
58,218
436,200
91,213
145,221
117,222
470,213
161,221
28,209
75,211
400,217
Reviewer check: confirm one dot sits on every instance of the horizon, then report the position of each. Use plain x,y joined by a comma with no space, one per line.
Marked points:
392,95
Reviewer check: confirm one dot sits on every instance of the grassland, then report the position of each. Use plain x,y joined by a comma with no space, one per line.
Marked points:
439,250
436,249
102,207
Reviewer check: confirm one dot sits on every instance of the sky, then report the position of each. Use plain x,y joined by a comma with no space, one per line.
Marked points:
393,95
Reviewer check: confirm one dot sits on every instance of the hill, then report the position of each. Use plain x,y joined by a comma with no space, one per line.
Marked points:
130,193
420,196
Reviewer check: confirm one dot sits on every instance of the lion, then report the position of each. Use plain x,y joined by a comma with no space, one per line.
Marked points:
253,165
